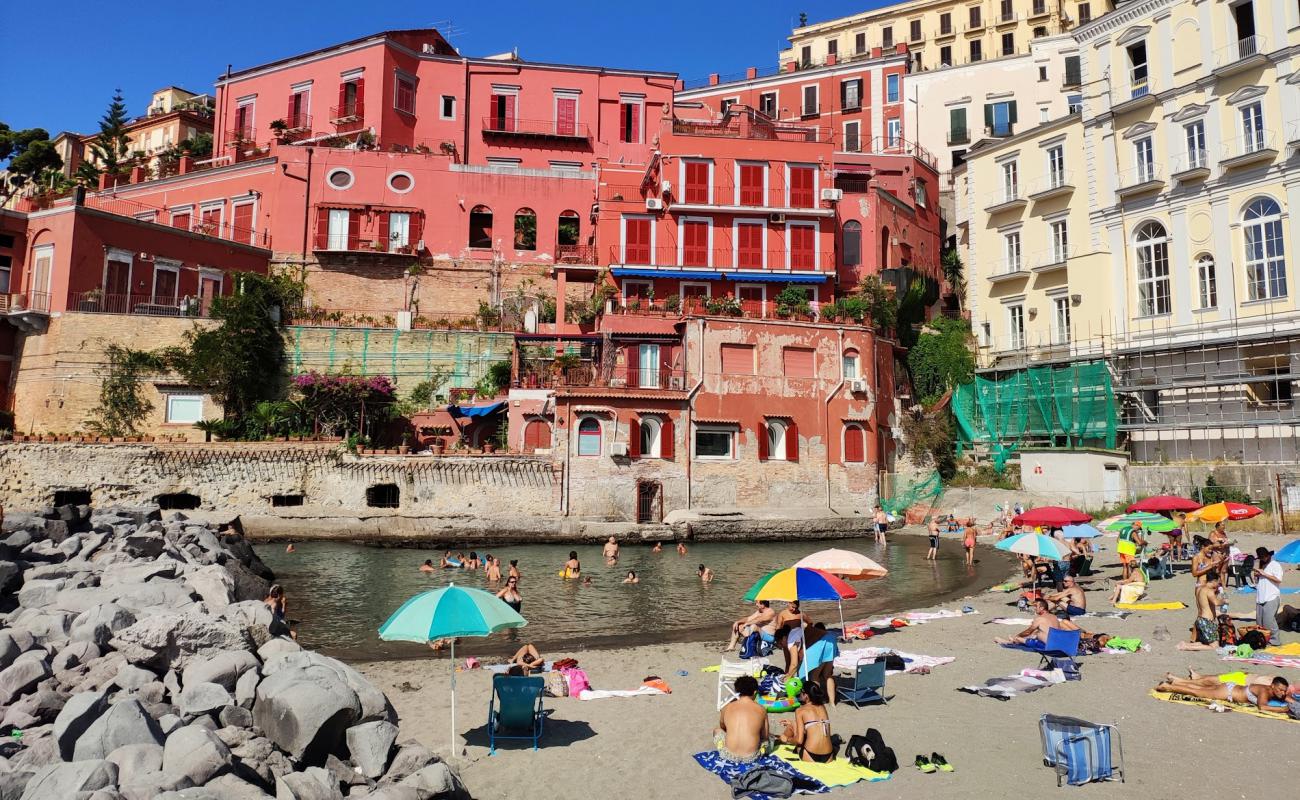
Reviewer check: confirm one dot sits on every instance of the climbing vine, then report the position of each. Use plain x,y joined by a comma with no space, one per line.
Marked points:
122,404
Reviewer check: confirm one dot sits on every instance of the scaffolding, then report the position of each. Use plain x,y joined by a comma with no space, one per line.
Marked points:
1220,391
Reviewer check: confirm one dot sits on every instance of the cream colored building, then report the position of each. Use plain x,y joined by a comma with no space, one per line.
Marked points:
173,116
1182,243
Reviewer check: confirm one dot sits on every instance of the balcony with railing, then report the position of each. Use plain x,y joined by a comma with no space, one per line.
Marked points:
1039,9
511,127
1138,92
1251,149
1139,180
1241,55
1000,130
348,117
1006,18
576,254
25,302
1193,165
1051,260
973,26
1293,132
1009,269
1008,198
1057,184
958,136
745,123
720,306
894,145
723,262
96,301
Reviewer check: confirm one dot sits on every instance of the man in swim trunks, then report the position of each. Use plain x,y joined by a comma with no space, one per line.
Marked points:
610,551
427,566
1071,599
1205,629
881,520
742,735
1233,687
1044,621
933,552
762,620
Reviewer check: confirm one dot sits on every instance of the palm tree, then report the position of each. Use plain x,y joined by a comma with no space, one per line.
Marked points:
955,273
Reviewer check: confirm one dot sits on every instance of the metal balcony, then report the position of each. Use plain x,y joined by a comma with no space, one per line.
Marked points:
1257,147
1008,198
1138,93
1142,179
1190,166
1009,270
536,128
1241,55
1057,185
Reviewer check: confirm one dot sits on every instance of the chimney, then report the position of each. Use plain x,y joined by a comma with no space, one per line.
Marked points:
185,165
713,79
751,73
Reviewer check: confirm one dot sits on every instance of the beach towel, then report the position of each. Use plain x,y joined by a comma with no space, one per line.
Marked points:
840,772
1188,700
1151,606
728,771
1292,649
602,694
1007,587
1024,682
1107,614
1018,621
1264,659
1251,590
849,661
1117,645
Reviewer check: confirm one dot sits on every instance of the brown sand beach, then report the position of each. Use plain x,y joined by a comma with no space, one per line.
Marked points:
642,746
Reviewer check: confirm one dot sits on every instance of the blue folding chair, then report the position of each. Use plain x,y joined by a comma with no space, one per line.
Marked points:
868,685
1081,752
516,704
1060,644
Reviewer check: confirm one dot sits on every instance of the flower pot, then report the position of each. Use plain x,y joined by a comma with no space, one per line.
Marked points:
388,451
63,437
489,448
403,450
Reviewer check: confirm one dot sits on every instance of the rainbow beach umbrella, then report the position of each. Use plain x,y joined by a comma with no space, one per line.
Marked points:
801,583
1036,545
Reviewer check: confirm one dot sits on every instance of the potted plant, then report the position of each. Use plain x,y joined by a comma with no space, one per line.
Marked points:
489,447
278,127
673,304
405,446
92,300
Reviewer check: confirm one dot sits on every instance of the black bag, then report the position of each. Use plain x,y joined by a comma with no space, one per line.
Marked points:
762,780
1253,638
871,752
893,662
753,646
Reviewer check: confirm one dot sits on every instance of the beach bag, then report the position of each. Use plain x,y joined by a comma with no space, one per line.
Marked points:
762,780
566,663
1068,667
577,680
555,685
1227,631
869,751
753,646
893,662
1255,639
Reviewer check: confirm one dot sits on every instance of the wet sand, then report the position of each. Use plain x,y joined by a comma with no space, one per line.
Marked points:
641,746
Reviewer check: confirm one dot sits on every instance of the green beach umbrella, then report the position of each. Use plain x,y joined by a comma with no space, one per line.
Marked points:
1150,522
446,614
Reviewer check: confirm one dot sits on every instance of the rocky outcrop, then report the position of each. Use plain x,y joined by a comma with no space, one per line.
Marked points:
136,662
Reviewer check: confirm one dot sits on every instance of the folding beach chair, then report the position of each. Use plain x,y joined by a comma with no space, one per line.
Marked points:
1059,644
516,704
1164,567
1080,751
728,671
867,686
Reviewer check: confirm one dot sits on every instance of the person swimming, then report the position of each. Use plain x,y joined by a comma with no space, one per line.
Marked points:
631,577
427,566
706,574
658,548
681,548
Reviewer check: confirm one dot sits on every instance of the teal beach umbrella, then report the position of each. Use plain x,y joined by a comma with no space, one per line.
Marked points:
446,614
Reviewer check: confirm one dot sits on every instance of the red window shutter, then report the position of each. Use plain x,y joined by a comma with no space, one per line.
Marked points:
638,241
636,122
666,439
798,362
751,299
508,124
762,440
181,221
622,122
695,249
751,185
241,227
291,116
322,228
343,99
633,438
566,114
633,365
803,247
384,244
359,108
737,359
750,246
801,187
354,230
854,446
697,182
792,442
494,113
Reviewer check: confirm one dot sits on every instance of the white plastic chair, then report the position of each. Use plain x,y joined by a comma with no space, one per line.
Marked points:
728,671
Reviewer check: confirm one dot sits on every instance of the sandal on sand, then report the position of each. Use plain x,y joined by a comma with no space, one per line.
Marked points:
923,764
940,762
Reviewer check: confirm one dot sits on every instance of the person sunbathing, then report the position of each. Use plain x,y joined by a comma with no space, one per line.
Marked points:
741,736
810,731
1130,589
1226,687
1043,623
1071,600
528,658
1239,678
762,620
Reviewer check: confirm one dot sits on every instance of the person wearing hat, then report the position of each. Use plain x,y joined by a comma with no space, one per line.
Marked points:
1268,582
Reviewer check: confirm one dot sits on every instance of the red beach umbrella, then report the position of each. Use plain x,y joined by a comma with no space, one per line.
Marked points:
1165,502
1051,517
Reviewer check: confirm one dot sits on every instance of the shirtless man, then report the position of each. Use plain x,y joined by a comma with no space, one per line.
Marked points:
427,566
681,548
706,574
1071,599
493,569
610,551
933,529
1205,630
742,734
881,520
1044,621
1251,694
762,620
658,548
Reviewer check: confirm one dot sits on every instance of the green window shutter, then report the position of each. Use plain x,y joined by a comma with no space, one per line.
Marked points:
957,120
1011,112
988,116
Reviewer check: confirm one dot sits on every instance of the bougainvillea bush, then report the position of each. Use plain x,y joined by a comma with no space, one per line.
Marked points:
340,404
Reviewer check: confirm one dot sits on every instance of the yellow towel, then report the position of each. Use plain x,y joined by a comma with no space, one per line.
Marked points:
1292,649
840,772
1188,700
712,668
1150,606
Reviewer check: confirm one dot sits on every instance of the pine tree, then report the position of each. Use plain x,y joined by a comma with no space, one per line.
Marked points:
111,146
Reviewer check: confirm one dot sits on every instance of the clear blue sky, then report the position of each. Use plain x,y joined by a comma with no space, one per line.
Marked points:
62,72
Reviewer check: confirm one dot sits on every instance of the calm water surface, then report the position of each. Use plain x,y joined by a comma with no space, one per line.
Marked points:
342,592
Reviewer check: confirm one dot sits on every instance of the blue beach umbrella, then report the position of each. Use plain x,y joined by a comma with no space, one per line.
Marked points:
446,614
1080,532
1288,553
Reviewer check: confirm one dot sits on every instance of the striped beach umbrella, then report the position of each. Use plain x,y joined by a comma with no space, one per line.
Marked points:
1150,522
799,583
1036,545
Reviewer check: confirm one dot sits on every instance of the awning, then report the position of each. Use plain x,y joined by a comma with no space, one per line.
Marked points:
475,411
778,277
630,272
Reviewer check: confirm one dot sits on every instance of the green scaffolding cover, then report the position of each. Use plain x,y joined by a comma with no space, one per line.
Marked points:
1075,401
928,488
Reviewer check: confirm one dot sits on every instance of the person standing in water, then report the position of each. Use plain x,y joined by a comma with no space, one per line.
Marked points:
427,566
933,552
514,568
610,551
681,548
572,567
658,548
968,541
882,524
706,574
493,569
510,594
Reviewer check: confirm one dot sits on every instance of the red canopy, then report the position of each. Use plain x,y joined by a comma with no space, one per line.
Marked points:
1165,502
1051,517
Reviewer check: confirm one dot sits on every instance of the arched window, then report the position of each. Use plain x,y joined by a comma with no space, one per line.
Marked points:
855,444
852,243
650,437
1265,254
776,430
1206,282
570,228
537,435
589,437
1152,246
525,229
480,227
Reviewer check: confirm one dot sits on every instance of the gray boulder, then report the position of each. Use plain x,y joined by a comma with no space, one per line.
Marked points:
223,668
411,758
374,704
136,759
74,655
305,710
77,715
144,544
369,746
246,688
36,754
175,639
70,779
40,593
9,648
257,753
132,677
149,785
395,792
433,780
197,753
22,675
170,722
278,646
247,612
137,572
43,705
235,716
13,783
213,584
125,722
98,623
230,787
313,784
99,672
203,697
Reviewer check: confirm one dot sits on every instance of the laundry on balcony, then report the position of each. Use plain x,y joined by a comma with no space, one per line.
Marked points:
487,410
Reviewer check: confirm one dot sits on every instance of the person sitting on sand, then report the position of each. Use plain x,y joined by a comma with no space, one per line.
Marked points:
810,731
631,577
1130,588
610,551
1070,600
427,566
528,658
1205,629
572,567
741,736
492,569
1044,621
706,574
681,548
762,620
1246,693
510,594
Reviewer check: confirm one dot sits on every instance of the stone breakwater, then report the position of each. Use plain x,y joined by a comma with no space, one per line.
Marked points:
136,663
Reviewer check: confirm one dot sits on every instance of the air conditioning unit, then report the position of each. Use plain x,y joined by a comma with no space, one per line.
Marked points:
419,246
858,387
654,204
618,449
777,219
676,382
832,194
666,187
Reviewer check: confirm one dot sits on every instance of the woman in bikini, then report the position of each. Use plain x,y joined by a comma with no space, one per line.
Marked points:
968,541
572,567
510,594
1231,687
810,733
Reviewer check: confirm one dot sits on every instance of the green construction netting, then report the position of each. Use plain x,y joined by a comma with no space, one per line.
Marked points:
927,488
1039,404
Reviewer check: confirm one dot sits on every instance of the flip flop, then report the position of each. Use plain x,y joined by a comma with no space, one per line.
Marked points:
940,762
923,764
